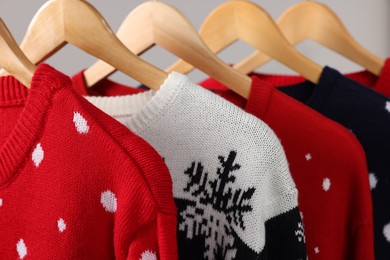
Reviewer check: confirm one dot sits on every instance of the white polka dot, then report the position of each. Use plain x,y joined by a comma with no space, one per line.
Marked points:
1,202
80,123
386,232
308,157
148,255
326,184
21,249
373,180
37,155
316,250
61,225
108,200
388,106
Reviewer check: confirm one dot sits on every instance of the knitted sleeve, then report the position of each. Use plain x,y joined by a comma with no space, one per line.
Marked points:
361,241
148,206
152,241
284,227
156,217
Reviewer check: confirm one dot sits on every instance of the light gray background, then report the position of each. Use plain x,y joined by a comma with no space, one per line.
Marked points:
367,20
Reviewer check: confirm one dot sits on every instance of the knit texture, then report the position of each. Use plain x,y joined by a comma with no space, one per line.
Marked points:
365,113
231,182
74,183
380,84
328,166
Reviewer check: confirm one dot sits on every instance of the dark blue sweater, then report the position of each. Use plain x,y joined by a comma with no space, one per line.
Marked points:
367,114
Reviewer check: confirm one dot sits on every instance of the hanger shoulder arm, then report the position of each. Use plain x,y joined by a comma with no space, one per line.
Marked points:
12,59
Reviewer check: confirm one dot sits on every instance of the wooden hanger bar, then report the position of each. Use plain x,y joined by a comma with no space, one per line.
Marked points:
12,59
158,23
312,20
246,21
75,21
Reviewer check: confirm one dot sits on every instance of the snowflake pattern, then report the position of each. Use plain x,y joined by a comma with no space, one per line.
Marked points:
300,233
216,208
308,157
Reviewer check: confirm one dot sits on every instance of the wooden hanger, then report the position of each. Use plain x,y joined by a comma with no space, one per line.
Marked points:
75,21
159,23
246,21
312,20
12,59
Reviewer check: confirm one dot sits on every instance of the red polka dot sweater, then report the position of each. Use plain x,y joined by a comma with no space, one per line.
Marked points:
326,162
74,183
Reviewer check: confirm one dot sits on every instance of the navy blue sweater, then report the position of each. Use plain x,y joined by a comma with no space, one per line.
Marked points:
367,114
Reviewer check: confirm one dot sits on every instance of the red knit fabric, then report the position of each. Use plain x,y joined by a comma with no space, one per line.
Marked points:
327,164
74,183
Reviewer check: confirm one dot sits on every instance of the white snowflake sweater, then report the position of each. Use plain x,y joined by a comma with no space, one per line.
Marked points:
231,182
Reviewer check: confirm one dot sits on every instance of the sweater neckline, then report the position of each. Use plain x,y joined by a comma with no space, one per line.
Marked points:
142,109
259,98
312,95
23,137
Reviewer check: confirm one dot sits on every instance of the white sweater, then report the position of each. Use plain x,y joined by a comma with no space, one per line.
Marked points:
231,181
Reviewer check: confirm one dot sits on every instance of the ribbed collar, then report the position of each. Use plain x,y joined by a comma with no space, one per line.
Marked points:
105,87
259,96
37,101
261,91
142,109
315,96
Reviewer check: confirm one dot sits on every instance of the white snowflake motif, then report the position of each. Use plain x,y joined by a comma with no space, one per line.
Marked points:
216,206
1,202
373,180
61,225
308,157
108,201
21,249
216,232
388,106
148,255
37,155
316,250
80,123
326,184
300,233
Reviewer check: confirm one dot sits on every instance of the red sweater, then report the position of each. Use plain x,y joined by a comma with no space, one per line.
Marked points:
74,183
327,164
